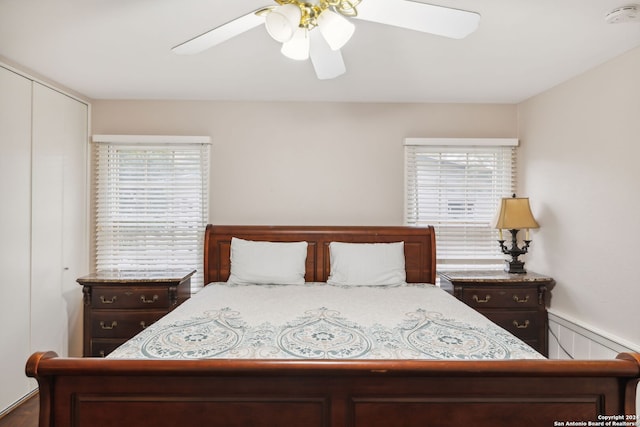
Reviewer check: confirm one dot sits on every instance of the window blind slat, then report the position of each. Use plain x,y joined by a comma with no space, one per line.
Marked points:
151,206
457,190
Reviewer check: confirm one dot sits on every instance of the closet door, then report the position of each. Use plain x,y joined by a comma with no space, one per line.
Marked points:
15,223
75,217
58,243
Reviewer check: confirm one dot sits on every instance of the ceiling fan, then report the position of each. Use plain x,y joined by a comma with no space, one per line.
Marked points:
318,29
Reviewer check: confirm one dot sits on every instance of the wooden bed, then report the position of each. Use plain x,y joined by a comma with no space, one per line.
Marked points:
364,393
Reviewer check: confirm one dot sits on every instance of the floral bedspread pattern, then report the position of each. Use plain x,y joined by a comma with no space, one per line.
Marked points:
320,321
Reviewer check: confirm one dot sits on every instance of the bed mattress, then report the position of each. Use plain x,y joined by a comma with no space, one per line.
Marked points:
322,321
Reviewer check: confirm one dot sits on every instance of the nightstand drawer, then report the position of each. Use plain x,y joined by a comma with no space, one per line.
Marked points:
112,297
478,297
102,347
122,323
526,325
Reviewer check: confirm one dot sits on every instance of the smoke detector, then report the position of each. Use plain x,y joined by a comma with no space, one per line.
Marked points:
628,13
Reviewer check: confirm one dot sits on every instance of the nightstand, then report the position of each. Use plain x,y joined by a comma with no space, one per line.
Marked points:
516,302
119,304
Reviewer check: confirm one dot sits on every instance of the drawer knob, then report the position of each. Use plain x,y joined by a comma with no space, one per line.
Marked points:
108,301
108,327
149,301
485,300
521,300
524,325
143,324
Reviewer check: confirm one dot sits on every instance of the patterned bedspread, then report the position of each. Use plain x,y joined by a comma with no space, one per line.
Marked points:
321,321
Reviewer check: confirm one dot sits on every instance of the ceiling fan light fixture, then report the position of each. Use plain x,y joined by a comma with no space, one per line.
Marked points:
298,47
335,28
301,17
281,22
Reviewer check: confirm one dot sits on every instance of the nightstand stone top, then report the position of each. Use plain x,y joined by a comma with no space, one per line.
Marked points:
136,276
493,276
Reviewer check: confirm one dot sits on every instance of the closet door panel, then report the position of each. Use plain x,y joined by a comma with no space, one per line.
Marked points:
58,248
75,241
48,311
15,224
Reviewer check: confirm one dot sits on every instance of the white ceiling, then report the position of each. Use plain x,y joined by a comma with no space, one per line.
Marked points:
120,49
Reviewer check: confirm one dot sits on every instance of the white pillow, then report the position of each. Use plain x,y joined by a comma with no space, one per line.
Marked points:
261,263
367,264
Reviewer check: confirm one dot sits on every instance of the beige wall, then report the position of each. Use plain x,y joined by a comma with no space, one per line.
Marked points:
580,144
305,163
327,163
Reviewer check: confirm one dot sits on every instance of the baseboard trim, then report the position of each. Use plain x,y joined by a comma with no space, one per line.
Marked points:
10,409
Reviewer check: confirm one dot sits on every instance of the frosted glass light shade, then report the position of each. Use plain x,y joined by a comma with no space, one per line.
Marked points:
335,28
327,63
298,47
283,21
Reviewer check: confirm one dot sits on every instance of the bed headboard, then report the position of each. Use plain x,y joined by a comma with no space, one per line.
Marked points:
419,247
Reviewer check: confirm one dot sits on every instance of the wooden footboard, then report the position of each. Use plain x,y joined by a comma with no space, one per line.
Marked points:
263,393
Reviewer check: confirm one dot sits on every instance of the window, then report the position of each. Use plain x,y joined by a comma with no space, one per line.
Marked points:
151,202
456,185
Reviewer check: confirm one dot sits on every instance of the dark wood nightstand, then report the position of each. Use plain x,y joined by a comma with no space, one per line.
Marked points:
516,302
119,304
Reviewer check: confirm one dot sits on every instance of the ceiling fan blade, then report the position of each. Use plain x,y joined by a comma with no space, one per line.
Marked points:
219,34
327,63
427,18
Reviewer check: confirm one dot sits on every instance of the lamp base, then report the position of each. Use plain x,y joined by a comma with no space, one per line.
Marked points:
514,266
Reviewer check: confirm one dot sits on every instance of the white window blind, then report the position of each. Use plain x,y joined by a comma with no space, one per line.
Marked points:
151,203
456,187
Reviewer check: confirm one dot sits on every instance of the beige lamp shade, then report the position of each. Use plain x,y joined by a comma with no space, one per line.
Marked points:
514,214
